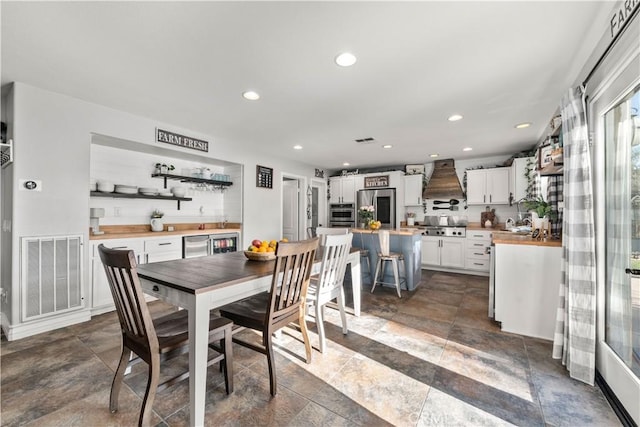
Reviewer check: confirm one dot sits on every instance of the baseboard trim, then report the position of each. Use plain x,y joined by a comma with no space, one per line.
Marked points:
617,407
24,330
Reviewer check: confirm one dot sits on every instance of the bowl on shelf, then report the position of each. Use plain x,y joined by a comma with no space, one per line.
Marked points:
148,191
179,191
126,189
260,256
106,186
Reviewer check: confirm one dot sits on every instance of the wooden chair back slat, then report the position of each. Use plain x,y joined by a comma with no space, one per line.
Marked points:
294,261
334,261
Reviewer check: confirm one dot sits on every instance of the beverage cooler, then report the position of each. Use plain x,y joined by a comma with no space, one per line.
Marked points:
209,244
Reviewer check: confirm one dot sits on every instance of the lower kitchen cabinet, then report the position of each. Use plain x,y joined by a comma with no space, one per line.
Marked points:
477,251
443,251
527,280
154,249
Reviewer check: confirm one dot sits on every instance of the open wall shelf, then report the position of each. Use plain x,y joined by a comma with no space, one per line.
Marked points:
139,196
221,185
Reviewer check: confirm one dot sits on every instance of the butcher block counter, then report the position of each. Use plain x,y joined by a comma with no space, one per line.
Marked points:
144,230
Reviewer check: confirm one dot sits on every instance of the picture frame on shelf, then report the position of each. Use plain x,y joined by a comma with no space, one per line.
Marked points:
550,160
414,169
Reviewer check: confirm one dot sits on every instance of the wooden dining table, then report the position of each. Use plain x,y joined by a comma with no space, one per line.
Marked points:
205,283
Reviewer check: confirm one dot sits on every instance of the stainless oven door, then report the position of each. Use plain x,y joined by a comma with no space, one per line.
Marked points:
195,246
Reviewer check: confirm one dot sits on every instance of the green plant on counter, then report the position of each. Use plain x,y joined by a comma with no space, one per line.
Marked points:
157,214
540,207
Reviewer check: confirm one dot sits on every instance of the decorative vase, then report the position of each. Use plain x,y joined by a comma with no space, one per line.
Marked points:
539,223
157,224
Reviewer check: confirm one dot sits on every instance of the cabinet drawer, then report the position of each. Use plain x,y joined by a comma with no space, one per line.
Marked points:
479,234
163,245
477,264
477,254
124,244
478,244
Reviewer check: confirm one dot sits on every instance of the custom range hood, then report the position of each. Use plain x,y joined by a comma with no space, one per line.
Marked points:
444,183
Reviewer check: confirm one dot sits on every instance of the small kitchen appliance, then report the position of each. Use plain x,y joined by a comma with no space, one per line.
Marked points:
95,214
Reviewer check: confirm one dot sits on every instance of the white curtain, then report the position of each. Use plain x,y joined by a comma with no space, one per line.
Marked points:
575,334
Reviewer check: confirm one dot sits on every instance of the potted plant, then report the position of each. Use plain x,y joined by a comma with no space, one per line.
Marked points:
540,207
366,215
156,220
158,169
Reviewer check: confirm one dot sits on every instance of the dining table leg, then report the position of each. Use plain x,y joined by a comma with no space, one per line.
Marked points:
198,353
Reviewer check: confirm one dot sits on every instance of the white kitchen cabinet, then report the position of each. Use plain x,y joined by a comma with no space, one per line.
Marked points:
413,190
154,249
443,251
488,186
342,189
519,181
162,249
101,299
527,278
477,250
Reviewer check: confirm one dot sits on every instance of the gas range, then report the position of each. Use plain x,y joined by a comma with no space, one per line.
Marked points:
446,231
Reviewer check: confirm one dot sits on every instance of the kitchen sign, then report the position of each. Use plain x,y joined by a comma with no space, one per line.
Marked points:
181,140
379,181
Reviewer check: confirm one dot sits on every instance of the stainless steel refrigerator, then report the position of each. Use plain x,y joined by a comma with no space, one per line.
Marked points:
384,202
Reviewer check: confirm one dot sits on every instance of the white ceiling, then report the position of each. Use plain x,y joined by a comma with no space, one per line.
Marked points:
496,63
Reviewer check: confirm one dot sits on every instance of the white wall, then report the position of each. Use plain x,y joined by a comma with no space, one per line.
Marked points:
53,140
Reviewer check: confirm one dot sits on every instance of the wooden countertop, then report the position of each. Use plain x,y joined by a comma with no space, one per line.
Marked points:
144,230
408,231
509,238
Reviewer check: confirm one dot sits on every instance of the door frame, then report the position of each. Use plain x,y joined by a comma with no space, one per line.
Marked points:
615,84
321,185
302,218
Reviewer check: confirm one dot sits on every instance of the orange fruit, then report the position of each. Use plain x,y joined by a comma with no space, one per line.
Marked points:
270,249
262,249
284,239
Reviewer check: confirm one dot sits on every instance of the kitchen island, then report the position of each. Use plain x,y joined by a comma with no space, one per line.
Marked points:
406,241
527,280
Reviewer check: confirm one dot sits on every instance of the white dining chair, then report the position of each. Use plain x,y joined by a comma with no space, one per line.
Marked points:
328,284
322,232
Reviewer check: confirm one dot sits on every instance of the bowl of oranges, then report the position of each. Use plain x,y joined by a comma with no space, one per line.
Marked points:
262,250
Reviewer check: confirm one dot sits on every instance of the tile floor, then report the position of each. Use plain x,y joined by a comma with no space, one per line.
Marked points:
432,358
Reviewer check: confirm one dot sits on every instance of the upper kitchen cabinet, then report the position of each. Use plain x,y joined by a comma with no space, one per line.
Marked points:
413,190
488,186
342,189
521,168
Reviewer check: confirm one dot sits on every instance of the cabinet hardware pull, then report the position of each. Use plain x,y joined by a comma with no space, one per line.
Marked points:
477,263
490,198
484,198
475,253
119,247
164,244
477,244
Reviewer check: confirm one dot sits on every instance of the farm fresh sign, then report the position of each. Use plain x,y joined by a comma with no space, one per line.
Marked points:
181,140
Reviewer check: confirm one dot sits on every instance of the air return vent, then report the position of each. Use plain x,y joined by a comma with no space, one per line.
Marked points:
365,140
51,275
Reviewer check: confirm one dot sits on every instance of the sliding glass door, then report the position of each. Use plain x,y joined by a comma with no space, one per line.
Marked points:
615,117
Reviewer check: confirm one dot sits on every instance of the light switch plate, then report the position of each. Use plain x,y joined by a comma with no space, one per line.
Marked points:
30,185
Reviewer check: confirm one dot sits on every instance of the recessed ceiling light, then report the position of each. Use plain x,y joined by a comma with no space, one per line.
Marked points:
433,155
467,149
522,125
297,147
251,95
346,164
345,59
387,146
454,117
